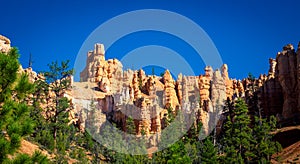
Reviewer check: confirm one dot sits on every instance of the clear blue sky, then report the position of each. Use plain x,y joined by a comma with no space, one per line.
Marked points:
246,33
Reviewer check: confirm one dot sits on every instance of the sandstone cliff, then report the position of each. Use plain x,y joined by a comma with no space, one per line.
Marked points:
274,94
119,94
278,92
146,99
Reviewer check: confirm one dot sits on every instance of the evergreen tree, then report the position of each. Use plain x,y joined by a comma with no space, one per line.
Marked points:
252,98
208,152
238,137
9,66
192,151
175,153
112,139
228,108
174,125
231,156
37,157
15,122
265,147
53,130
192,143
65,135
58,82
91,121
42,132
130,126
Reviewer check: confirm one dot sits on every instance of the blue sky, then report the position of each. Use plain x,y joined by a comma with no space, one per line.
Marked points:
246,33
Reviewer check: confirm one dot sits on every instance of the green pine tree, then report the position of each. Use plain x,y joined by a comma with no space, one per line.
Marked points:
130,126
53,130
231,156
91,121
42,132
59,113
192,144
265,146
15,121
175,153
238,138
37,157
208,152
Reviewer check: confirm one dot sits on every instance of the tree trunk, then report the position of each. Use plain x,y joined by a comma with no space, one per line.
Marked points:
55,123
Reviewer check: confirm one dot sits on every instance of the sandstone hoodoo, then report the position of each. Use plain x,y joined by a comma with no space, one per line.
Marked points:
151,96
277,93
116,91
107,93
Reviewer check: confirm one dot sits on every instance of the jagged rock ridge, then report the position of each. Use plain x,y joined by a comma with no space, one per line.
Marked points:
117,91
274,94
151,96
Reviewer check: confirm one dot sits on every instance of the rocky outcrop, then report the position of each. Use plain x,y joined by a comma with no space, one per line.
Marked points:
98,68
118,94
287,75
227,81
218,91
143,121
32,75
298,77
4,44
170,97
136,86
146,98
274,94
278,92
107,93
213,106
238,88
150,88
270,95
204,86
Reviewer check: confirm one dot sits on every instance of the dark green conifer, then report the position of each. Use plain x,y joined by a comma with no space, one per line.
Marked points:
15,121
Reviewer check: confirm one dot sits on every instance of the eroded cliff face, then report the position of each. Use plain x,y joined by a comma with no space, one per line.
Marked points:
288,79
277,92
119,94
274,94
146,99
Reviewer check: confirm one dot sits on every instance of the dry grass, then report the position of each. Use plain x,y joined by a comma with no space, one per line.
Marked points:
29,148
